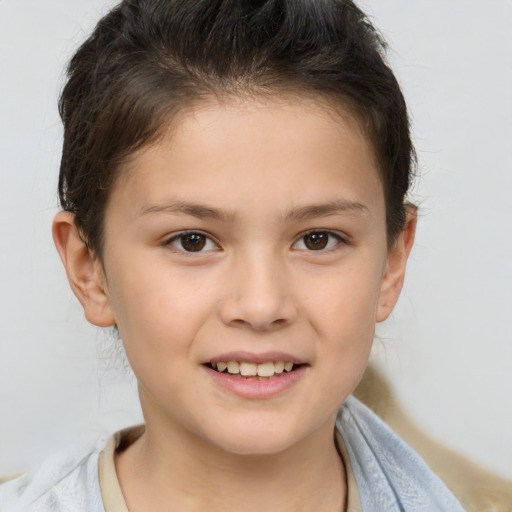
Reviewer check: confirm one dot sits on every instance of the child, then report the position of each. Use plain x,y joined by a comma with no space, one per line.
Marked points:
233,186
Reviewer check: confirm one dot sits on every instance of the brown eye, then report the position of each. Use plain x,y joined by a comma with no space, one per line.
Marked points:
316,241
193,242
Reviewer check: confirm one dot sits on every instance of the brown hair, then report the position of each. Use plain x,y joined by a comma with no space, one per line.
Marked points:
148,59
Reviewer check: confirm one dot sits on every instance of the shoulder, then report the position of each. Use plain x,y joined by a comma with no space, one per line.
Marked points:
64,482
476,488
390,476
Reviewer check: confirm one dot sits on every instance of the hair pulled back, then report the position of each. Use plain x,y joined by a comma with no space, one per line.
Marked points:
148,59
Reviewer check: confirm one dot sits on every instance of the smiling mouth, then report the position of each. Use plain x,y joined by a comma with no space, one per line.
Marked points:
262,371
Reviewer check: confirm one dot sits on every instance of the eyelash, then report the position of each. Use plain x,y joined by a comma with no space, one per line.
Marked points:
206,240
339,240
179,236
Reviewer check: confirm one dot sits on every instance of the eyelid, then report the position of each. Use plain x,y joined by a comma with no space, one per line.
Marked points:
168,241
341,238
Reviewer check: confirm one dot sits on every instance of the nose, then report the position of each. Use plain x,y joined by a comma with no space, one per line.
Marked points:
259,295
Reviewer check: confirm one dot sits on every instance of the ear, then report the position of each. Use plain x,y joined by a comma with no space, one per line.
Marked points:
393,279
83,269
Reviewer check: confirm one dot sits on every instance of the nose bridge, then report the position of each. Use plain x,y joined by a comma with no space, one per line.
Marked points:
260,294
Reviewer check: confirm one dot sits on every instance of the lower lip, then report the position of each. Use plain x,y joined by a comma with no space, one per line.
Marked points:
254,388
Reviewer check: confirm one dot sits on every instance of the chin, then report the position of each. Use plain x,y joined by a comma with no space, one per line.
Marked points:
256,439
255,446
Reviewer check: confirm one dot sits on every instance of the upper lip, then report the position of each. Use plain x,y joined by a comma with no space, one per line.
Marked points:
251,357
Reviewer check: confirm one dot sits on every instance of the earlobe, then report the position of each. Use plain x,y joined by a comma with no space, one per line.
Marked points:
393,279
84,271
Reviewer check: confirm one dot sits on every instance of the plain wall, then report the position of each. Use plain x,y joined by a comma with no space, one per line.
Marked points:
447,350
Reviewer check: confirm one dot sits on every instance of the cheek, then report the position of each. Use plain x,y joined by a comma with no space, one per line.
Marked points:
346,326
342,311
343,304
158,311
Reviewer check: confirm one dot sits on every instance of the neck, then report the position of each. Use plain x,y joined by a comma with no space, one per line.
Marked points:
175,466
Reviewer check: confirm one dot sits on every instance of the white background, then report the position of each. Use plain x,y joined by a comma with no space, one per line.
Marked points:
448,347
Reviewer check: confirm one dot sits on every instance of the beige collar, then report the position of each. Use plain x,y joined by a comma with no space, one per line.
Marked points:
353,499
113,499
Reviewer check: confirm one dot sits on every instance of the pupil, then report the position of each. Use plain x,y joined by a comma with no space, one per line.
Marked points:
193,243
316,241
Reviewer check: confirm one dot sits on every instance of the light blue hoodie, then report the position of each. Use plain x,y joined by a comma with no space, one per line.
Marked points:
390,476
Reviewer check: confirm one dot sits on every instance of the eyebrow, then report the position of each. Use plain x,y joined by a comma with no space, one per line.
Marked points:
200,211
326,209
192,209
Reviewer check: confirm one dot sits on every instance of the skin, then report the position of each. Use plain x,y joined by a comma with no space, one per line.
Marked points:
264,173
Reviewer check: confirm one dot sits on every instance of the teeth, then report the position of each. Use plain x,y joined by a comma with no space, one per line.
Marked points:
233,367
245,369
279,367
266,369
248,369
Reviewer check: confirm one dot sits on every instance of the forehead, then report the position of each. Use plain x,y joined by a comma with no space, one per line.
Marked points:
290,152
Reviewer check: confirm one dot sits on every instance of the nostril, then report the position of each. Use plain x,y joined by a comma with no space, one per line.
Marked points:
257,325
258,308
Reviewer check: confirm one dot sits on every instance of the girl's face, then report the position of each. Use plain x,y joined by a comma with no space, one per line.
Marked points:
253,233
